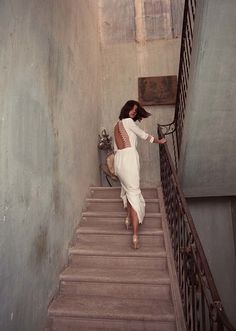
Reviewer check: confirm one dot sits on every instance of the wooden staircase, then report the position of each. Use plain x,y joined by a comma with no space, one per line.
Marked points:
110,286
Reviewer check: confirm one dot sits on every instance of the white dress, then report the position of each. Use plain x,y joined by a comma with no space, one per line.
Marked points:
127,166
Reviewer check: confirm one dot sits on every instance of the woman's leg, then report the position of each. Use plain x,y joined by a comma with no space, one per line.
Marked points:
134,220
128,222
128,210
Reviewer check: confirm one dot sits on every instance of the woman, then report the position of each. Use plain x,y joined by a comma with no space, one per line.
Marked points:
127,162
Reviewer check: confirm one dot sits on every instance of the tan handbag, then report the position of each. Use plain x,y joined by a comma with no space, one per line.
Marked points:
110,165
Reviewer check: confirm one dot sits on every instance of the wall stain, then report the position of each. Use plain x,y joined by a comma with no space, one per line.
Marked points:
39,248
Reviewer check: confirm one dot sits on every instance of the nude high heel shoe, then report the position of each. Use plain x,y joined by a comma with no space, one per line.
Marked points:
135,242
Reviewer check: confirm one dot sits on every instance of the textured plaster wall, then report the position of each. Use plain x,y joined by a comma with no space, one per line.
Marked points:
208,160
49,115
214,219
122,64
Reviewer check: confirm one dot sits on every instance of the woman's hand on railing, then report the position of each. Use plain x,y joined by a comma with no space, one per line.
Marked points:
160,141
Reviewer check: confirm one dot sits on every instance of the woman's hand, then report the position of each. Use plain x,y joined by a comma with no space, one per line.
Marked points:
158,141
162,141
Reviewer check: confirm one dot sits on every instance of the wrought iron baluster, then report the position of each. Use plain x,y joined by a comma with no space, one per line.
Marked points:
184,71
202,307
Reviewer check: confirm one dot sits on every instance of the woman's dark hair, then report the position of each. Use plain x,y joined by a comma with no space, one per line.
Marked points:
141,112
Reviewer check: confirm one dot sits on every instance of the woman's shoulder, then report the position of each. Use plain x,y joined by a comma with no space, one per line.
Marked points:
127,120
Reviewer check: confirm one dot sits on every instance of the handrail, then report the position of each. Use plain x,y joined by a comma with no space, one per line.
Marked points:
176,126
202,305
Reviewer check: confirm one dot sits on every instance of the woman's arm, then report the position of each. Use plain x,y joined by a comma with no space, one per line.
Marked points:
139,132
159,141
143,135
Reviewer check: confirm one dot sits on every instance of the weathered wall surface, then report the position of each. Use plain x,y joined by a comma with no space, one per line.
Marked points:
124,59
49,104
214,222
208,160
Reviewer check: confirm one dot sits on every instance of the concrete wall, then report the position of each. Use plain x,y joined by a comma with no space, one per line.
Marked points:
49,104
122,64
214,222
208,160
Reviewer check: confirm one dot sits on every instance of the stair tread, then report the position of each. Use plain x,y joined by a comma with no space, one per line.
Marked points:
117,220
75,324
118,224
117,188
112,308
114,275
117,214
119,229
103,200
114,192
107,261
116,241
107,249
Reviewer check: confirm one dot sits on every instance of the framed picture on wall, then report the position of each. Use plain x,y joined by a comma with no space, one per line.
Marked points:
157,90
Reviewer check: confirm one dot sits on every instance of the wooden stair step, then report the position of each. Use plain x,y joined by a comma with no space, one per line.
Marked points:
116,289
116,229
126,283
114,192
118,223
115,214
84,324
150,241
116,275
102,248
112,308
122,262
152,205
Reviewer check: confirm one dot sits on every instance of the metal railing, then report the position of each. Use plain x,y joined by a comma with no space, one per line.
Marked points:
175,128
202,306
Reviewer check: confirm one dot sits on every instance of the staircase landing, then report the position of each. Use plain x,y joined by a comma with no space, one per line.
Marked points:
110,286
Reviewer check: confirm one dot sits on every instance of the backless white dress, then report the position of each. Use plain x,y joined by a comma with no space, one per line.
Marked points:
127,166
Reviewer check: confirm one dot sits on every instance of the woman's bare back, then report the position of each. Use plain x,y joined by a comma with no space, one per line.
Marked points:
121,136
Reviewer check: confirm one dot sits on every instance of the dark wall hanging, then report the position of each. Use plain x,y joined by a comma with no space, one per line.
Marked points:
157,90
